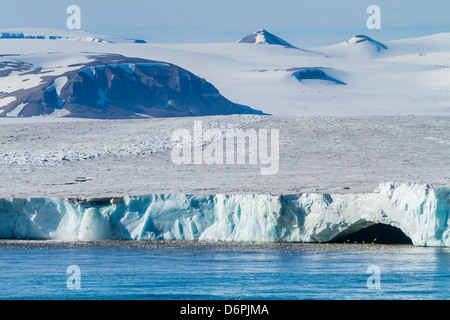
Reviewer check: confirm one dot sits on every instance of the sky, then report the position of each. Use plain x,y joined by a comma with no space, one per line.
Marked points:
303,23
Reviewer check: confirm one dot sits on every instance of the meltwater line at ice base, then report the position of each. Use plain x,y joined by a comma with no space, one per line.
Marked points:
420,212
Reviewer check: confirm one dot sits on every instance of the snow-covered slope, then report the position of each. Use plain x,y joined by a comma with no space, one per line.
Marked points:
420,212
357,47
411,76
133,157
366,45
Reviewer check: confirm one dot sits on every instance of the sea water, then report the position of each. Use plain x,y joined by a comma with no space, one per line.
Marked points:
216,270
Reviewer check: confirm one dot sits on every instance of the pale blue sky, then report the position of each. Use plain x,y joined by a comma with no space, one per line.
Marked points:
303,23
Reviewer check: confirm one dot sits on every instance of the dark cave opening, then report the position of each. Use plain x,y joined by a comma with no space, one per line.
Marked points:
378,234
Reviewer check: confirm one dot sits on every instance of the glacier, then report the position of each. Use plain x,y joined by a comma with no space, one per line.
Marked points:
421,212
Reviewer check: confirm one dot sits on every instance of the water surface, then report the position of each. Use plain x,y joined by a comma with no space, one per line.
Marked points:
205,270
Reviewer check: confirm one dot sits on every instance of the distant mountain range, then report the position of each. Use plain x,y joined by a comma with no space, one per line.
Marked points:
55,34
62,73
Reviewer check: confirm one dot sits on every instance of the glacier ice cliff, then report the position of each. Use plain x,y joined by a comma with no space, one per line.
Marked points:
421,212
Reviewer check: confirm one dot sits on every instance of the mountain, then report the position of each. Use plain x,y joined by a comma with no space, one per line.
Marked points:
264,37
56,34
359,46
112,86
63,77
369,43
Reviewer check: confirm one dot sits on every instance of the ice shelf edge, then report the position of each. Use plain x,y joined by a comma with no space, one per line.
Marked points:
421,212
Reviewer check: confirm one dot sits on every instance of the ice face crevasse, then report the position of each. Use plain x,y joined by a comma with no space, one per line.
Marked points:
422,213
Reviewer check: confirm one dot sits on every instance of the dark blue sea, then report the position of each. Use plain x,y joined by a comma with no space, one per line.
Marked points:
205,270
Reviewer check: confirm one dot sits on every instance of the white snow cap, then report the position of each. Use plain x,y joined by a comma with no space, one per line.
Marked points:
368,41
262,36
